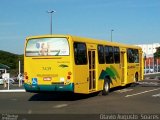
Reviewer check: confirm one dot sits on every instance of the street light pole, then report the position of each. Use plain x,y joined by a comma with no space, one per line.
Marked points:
50,12
111,34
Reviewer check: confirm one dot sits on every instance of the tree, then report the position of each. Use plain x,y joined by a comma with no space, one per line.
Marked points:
11,60
157,53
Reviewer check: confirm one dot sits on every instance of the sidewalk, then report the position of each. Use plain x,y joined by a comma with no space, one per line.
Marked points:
12,88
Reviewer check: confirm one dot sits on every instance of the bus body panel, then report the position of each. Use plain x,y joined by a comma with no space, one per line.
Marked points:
81,79
123,64
48,73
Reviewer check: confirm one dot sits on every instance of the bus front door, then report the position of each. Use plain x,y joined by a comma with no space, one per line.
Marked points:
92,69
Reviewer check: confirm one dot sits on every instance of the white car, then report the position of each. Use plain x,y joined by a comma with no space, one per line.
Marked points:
149,70
11,81
1,81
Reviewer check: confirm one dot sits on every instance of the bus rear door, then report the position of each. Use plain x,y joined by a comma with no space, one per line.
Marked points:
92,67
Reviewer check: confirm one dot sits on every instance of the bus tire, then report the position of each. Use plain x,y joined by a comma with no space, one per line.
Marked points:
106,87
136,77
135,81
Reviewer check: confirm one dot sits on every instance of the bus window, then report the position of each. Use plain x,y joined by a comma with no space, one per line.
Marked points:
47,47
136,56
116,55
132,56
101,54
109,54
80,53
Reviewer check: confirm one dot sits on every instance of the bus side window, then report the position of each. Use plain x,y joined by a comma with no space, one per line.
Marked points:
101,54
132,55
130,58
136,56
80,53
116,55
109,54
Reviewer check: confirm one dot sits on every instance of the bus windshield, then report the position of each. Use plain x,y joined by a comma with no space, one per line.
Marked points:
47,47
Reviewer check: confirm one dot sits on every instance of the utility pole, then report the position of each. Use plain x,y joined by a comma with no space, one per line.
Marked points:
111,34
50,12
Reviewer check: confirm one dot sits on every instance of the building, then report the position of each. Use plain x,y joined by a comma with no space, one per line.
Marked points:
149,49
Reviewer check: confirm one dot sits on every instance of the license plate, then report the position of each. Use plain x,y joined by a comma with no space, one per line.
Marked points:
47,78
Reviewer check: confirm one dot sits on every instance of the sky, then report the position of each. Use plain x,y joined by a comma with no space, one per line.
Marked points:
133,21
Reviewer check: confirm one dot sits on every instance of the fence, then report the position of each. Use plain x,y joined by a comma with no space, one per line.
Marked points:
151,65
8,84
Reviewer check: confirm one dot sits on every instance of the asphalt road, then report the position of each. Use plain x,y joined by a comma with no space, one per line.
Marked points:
143,98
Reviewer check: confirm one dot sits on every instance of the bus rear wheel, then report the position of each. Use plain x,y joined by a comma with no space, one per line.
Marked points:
106,87
135,81
136,78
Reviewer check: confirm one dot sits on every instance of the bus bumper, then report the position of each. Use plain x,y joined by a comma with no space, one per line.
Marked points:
49,88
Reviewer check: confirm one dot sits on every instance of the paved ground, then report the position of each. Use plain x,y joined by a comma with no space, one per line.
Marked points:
152,75
144,98
11,87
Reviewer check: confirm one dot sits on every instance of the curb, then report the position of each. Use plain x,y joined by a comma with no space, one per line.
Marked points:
153,78
15,90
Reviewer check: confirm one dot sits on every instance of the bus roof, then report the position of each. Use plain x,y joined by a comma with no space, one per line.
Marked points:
88,40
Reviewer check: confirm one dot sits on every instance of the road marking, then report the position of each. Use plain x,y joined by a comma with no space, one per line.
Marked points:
157,95
14,99
123,90
17,90
148,83
142,92
60,106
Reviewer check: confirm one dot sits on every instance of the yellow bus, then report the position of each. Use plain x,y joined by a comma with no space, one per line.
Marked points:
79,65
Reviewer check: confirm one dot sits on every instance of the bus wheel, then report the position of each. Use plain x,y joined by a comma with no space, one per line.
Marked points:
106,87
136,78
135,81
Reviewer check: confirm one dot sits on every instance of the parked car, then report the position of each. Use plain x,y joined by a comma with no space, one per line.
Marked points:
148,70
11,81
151,70
155,69
15,79
1,81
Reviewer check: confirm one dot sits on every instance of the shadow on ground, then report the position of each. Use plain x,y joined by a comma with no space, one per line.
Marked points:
60,96
68,96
